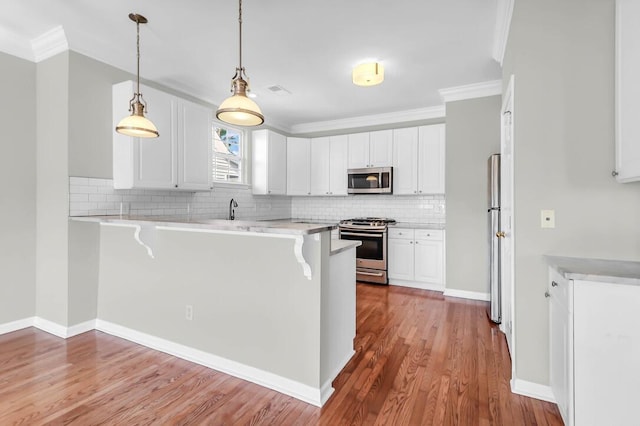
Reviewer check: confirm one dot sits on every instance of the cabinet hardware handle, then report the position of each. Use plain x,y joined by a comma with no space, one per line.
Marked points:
500,234
416,242
614,173
176,185
420,192
554,284
546,294
410,242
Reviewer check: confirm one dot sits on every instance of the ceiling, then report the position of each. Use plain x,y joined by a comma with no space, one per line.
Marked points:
306,47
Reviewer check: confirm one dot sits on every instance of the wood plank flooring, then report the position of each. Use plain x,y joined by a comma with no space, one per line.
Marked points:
421,359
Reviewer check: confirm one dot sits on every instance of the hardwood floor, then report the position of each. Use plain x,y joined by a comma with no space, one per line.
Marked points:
421,359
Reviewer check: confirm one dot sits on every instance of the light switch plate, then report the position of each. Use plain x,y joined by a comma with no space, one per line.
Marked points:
547,218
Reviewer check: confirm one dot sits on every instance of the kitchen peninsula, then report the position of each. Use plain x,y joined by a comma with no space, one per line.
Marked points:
271,302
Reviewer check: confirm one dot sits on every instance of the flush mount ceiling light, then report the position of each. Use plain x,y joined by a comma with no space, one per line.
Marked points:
137,124
368,74
238,109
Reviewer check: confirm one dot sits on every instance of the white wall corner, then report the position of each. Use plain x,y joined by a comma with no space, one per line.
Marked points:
471,91
49,44
532,390
50,327
504,12
371,120
464,294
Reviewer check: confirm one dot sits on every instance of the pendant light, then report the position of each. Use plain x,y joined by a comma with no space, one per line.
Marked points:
238,109
137,124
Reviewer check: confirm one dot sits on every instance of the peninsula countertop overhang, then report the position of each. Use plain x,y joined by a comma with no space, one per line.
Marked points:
266,226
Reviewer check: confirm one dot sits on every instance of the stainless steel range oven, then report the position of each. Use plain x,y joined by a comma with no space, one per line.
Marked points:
371,256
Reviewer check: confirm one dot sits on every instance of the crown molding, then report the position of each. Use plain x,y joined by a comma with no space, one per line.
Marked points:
471,91
15,45
504,13
49,44
370,120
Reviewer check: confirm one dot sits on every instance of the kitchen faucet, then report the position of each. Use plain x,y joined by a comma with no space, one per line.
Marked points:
232,211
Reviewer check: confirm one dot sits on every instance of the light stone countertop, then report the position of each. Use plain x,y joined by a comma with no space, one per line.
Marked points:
601,270
409,225
267,226
338,246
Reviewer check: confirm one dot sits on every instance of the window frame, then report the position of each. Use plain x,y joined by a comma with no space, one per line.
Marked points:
243,158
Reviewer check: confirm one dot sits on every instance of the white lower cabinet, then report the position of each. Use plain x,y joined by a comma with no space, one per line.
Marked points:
416,258
594,350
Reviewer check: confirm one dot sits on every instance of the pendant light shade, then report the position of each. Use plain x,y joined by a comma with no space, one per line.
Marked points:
238,109
137,125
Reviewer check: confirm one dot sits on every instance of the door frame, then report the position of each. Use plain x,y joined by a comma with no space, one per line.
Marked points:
508,304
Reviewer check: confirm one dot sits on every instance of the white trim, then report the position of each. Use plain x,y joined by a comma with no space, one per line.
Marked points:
49,44
464,294
370,120
416,284
301,391
12,326
532,390
504,13
471,91
83,327
15,45
50,327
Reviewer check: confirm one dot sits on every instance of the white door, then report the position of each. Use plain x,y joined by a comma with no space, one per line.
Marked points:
298,160
358,150
401,255
320,156
506,219
194,146
431,149
405,161
380,148
428,261
277,164
338,165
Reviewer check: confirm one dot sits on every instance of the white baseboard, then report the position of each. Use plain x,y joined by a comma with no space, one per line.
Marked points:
532,390
50,327
12,326
327,389
297,390
464,294
83,327
415,284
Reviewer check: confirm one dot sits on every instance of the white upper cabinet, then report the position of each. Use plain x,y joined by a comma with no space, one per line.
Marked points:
431,159
380,148
418,160
194,145
269,163
358,150
405,161
373,149
180,158
298,165
627,91
338,165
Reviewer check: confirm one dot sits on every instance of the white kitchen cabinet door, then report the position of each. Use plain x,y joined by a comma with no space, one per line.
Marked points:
269,162
140,162
194,146
381,148
358,150
428,261
298,163
627,89
431,159
560,342
401,258
320,165
405,161
338,165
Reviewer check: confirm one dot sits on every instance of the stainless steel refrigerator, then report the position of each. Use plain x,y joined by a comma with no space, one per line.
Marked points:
494,311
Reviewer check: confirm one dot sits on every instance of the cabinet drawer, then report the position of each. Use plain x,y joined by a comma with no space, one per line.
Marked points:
429,234
400,233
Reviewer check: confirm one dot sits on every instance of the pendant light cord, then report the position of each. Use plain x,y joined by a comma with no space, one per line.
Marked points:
138,51
240,30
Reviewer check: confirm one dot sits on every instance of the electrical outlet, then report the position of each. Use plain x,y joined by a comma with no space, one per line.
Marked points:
547,218
188,313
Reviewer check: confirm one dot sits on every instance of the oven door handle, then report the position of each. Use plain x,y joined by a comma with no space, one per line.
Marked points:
370,274
356,234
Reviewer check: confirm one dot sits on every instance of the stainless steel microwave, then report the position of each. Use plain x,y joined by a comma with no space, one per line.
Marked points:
372,180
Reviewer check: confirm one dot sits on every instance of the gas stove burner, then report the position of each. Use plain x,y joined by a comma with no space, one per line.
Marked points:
372,221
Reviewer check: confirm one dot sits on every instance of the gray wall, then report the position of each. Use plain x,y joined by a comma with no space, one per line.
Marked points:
562,56
473,133
52,82
18,189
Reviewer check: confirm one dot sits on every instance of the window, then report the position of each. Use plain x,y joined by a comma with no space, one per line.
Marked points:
228,151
